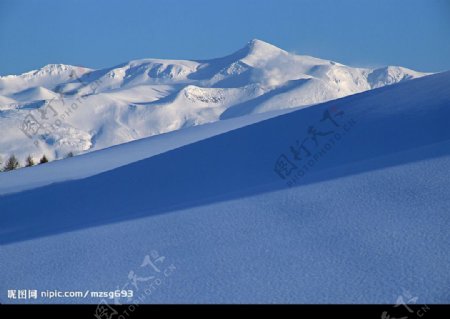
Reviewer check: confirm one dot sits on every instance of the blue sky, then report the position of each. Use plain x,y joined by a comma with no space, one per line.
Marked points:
411,33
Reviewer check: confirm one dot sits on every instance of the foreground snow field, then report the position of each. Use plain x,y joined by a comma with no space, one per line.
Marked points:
250,216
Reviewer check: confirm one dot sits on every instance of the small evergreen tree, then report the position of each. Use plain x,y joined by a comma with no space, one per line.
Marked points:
11,164
29,161
43,160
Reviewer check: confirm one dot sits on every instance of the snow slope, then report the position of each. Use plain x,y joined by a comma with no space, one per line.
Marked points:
94,163
367,220
66,109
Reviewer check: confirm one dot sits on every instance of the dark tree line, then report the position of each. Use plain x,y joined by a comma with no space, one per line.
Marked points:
12,162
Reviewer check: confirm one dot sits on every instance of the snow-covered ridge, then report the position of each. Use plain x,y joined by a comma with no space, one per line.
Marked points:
147,97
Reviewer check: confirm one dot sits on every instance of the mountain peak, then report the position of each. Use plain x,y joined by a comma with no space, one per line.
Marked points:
55,68
257,50
49,70
257,45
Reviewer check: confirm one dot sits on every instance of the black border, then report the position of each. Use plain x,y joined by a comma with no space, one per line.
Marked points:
298,311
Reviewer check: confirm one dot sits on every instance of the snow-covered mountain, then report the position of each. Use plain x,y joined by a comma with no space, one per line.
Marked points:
60,108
